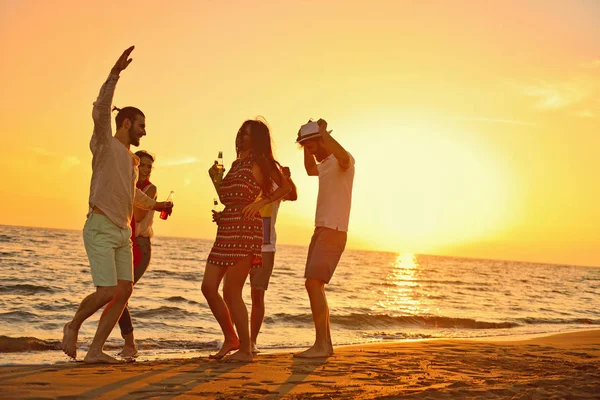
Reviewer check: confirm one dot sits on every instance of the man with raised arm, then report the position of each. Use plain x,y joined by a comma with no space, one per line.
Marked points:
107,231
335,169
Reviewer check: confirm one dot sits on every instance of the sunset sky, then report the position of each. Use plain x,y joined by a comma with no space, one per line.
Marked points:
474,124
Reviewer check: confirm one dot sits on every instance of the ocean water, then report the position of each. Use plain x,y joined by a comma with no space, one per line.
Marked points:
373,297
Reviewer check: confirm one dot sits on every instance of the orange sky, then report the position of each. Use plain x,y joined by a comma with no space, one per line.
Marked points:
474,125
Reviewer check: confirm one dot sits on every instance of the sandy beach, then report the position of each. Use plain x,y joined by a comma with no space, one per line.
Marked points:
559,366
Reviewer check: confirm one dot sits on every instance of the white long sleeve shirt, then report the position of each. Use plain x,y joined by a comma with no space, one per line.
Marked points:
114,166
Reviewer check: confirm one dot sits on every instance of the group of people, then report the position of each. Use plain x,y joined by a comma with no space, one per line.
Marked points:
122,202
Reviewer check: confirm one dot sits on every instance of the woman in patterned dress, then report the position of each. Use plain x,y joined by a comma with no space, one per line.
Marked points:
238,246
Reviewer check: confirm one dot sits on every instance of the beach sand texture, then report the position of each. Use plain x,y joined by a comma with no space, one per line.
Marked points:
559,366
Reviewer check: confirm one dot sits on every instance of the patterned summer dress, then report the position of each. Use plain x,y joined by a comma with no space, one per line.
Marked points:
238,237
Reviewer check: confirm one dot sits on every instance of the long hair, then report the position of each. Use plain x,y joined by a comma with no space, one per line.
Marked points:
262,151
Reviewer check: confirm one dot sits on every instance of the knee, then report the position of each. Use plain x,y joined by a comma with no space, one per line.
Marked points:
313,284
231,294
209,291
105,295
126,292
123,292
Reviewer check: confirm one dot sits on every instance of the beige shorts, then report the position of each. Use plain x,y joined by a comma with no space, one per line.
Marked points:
259,277
324,253
108,248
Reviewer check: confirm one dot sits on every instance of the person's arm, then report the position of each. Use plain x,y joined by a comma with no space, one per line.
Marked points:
140,213
142,201
102,106
283,188
293,194
310,164
333,146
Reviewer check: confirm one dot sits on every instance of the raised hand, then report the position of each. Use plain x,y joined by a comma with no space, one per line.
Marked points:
323,127
123,61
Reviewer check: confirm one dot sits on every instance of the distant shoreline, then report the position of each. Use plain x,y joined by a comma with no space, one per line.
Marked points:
352,249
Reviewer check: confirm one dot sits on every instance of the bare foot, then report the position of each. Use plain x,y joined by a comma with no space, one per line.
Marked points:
226,348
69,341
239,356
99,358
128,351
255,350
315,352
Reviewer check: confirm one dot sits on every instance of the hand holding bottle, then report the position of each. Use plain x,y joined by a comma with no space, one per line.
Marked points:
167,208
216,171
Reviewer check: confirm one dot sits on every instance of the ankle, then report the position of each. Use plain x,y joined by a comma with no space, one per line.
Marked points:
94,351
321,345
73,326
232,339
129,340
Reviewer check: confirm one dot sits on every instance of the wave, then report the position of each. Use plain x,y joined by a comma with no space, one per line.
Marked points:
148,344
368,321
186,276
396,336
559,321
391,282
25,289
23,344
18,316
179,299
164,312
6,238
40,241
15,345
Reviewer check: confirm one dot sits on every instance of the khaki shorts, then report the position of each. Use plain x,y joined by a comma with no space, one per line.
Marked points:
259,277
108,248
324,253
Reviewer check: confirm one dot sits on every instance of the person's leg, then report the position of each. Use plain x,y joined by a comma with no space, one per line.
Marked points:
325,251
125,323
232,291
259,283
113,310
320,312
87,308
213,275
328,320
107,322
257,315
100,250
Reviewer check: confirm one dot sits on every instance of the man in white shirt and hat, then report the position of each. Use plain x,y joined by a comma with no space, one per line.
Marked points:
326,158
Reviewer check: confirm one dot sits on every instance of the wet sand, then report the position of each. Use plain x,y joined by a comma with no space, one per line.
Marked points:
559,366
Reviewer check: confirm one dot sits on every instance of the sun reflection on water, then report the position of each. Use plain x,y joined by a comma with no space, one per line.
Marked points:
402,283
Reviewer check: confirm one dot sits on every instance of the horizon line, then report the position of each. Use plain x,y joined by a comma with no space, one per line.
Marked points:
354,249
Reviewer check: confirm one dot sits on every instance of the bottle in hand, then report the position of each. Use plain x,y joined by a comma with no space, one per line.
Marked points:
219,169
216,207
164,214
220,165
